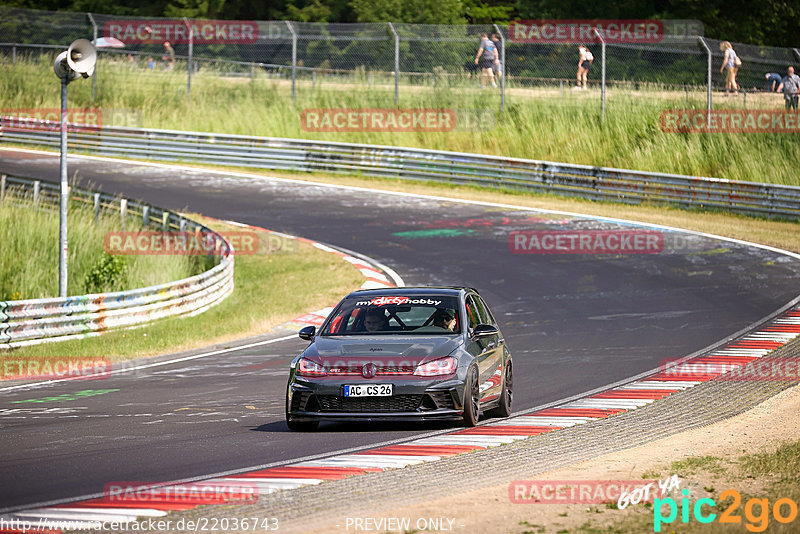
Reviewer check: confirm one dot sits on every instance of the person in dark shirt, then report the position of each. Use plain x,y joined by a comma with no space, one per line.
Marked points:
773,81
498,66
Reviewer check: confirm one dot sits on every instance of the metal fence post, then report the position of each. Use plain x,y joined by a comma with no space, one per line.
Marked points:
146,216
14,54
502,67
708,51
396,62
602,75
123,211
2,187
37,186
796,52
94,42
294,58
97,206
191,52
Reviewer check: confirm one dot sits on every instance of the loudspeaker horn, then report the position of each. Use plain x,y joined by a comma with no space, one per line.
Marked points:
61,68
81,57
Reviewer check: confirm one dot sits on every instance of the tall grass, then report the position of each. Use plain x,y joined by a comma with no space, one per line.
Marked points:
540,123
29,255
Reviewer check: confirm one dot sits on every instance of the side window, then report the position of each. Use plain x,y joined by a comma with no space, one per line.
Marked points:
472,313
487,315
480,309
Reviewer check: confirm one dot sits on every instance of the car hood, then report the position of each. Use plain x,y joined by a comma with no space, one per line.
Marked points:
411,350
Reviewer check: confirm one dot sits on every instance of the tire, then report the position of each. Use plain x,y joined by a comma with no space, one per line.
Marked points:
471,399
298,426
506,394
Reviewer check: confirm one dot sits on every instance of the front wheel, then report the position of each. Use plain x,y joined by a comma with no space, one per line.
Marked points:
298,426
506,395
471,399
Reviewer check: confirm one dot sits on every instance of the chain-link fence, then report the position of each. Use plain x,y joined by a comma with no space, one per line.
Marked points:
402,59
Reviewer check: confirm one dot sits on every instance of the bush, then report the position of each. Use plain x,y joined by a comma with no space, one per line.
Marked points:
109,271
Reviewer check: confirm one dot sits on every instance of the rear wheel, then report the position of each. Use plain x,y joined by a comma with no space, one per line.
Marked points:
506,394
471,399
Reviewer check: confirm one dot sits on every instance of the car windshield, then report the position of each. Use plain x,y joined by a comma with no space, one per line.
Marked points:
395,314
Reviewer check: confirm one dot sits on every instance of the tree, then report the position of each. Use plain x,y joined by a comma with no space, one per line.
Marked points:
410,11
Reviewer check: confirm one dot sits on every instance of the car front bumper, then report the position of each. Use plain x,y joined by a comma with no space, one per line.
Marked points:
412,400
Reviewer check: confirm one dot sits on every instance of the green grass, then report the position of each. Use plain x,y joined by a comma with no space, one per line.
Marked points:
690,466
270,288
29,255
770,474
539,123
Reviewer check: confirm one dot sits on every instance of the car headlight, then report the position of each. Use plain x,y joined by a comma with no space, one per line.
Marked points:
306,367
442,366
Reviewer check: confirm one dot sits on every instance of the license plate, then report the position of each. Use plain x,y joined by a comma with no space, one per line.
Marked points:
368,390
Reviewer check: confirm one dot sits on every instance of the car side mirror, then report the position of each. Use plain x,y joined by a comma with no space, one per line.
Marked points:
307,333
485,330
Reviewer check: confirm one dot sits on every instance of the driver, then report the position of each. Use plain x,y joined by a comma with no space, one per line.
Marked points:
375,320
445,319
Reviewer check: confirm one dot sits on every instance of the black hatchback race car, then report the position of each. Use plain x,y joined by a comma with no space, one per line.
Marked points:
411,353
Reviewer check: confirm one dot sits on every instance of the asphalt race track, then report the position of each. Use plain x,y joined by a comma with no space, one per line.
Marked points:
574,322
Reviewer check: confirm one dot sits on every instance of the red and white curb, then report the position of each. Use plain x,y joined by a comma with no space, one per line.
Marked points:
376,276
714,364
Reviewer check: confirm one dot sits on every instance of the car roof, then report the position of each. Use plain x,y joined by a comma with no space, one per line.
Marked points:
412,291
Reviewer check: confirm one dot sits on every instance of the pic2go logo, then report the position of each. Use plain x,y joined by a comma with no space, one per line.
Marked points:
756,511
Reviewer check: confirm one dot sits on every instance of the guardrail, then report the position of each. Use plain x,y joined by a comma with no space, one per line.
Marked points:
597,183
34,321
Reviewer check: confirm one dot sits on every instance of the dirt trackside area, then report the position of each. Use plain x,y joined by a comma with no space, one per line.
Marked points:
708,460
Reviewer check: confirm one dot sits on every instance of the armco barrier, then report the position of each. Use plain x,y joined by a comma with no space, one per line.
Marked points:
30,322
598,183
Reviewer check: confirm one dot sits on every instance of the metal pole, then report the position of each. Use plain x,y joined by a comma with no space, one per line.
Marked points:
396,62
191,50
602,75
14,54
97,207
94,42
123,212
503,68
294,58
62,253
708,51
796,52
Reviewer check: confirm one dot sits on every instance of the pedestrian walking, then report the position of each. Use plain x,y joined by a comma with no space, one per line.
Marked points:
585,60
486,57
